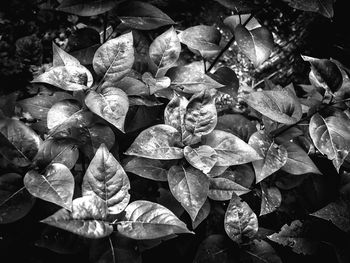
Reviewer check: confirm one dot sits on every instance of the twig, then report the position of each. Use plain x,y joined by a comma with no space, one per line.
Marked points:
112,249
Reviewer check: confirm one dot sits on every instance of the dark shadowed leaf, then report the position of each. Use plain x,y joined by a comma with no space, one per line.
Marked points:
221,188
275,156
256,44
142,16
202,214
18,143
230,149
241,174
86,218
132,86
85,55
167,200
111,104
323,7
114,59
106,180
242,6
262,252
279,105
86,8
157,142
150,221
15,201
155,84
240,220
174,112
55,184
190,187
271,199
203,158
164,51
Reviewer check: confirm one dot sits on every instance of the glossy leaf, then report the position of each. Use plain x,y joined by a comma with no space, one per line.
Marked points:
256,44
203,158
111,104
230,149
262,252
240,220
323,7
106,180
86,218
150,221
221,188
155,84
165,51
157,142
174,112
132,86
279,105
242,174
275,156
233,21
271,199
55,185
15,201
86,8
190,187
203,213
114,59
61,111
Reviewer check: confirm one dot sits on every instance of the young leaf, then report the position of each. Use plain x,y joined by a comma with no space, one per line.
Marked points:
157,142
256,44
202,214
230,149
18,143
155,84
203,158
142,16
147,220
240,220
271,199
165,51
331,136
106,180
190,187
279,105
202,40
111,104
86,8
323,7
114,59
275,156
86,219
15,201
221,188
262,252
175,111
55,185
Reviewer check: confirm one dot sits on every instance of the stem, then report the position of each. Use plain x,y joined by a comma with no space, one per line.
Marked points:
205,65
105,27
112,249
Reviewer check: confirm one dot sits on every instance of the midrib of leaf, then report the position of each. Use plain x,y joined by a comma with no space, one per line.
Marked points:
14,146
167,44
113,61
11,196
255,255
324,8
60,153
51,187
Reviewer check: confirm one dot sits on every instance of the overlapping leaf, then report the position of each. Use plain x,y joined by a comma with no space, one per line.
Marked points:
202,214
323,7
203,158
175,111
86,8
155,84
222,187
271,199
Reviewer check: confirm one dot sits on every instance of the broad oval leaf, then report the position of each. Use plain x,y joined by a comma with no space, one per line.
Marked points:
147,220
174,112
202,40
164,51
105,179
114,59
55,185
15,201
240,220
157,142
111,104
279,105
86,8
86,218
190,187
203,213
142,16
323,7
230,149
221,188
18,143
203,158
275,156
155,84
331,136
271,199
256,44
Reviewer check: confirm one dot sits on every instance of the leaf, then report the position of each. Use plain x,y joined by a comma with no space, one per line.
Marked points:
275,156
223,187
242,174
202,40
18,143
236,124
157,142
147,220
15,201
240,220
55,185
155,84
164,51
86,8
148,168
71,78
293,236
271,199
61,112
202,214
203,158
241,6
331,136
256,44
142,16
175,111
323,7
279,105
106,180
85,55
261,251
233,21
114,59
230,149
298,161
190,187
86,218
111,104
190,79
337,212
132,86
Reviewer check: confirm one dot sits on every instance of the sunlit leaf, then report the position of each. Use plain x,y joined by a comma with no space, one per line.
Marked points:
155,84
203,158
202,214
86,8
61,111
222,187
233,21
271,199
174,112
